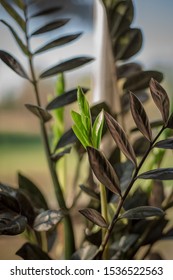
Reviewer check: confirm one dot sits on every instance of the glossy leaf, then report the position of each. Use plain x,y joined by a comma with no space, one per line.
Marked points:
58,156
12,224
10,61
84,110
141,80
58,42
50,26
89,192
140,146
12,12
103,170
10,202
94,216
32,252
66,66
154,124
81,135
120,137
158,174
140,117
127,44
27,208
46,12
18,40
161,99
65,99
125,70
142,212
40,112
165,144
125,104
33,191
48,219
67,138
97,130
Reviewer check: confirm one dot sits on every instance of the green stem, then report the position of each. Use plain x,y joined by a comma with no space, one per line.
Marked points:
68,228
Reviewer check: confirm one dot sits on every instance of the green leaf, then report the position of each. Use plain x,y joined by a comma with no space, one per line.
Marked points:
165,144
142,212
65,99
158,174
161,99
140,117
40,112
50,26
120,138
127,44
103,170
94,216
80,127
12,12
11,62
97,130
32,252
80,136
48,219
84,110
46,12
58,42
33,191
66,66
18,40
141,80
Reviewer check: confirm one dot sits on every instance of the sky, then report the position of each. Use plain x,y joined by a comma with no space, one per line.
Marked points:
154,17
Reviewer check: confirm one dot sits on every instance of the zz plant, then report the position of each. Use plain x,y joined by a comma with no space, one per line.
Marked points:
122,214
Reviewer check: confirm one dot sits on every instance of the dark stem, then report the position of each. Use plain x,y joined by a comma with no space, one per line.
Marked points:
122,199
68,228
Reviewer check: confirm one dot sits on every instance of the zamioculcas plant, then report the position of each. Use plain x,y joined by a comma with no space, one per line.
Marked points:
108,176
23,13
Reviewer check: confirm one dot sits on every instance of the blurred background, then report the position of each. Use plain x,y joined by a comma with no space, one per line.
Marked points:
20,142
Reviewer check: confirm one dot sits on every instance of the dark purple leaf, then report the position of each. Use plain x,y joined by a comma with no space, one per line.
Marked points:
128,69
46,12
58,42
64,99
103,170
120,138
89,192
141,80
142,212
165,144
66,66
140,117
12,224
32,252
94,216
40,112
161,99
50,26
9,60
158,174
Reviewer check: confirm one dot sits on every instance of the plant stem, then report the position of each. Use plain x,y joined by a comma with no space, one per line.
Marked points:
68,229
122,199
104,214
